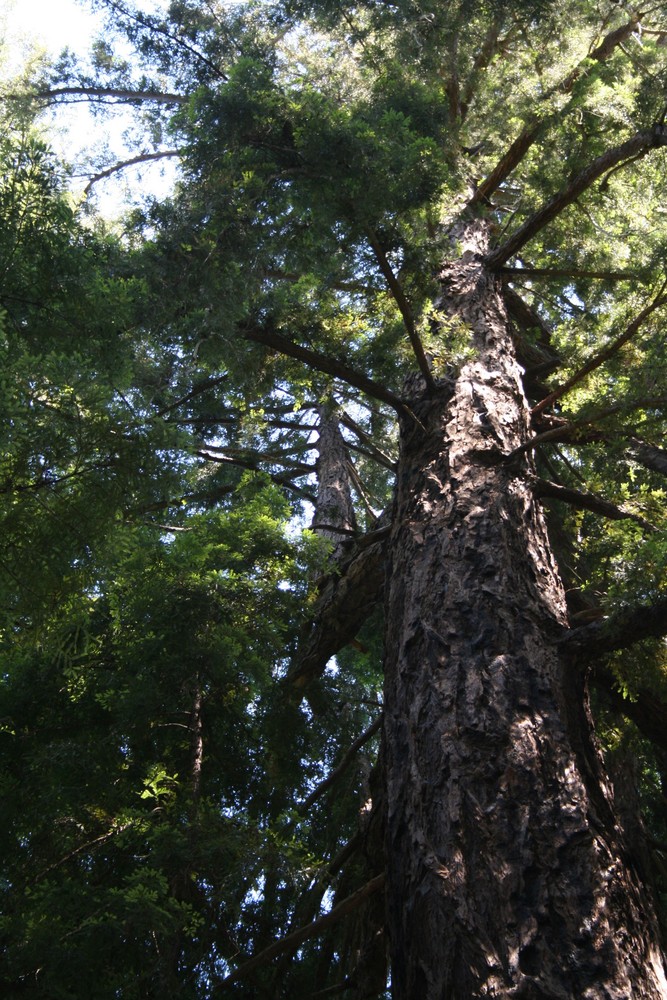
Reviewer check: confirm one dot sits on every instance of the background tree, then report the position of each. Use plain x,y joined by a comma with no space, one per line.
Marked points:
416,253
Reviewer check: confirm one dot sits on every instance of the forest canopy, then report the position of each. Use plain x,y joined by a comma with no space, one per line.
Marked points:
332,504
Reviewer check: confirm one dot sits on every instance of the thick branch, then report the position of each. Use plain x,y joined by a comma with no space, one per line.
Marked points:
132,162
648,455
603,355
587,501
638,145
528,318
532,129
507,163
296,938
324,363
347,597
621,630
117,94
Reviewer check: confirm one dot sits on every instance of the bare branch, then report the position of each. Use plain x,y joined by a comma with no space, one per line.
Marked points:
117,95
648,455
620,630
372,449
132,162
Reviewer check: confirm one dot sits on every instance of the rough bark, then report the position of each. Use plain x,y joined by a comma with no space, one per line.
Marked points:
347,597
649,455
334,516
620,630
507,872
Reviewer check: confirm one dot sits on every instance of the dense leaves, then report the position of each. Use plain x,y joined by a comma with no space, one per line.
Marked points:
165,764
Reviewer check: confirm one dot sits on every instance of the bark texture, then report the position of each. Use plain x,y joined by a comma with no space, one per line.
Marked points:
508,875
334,516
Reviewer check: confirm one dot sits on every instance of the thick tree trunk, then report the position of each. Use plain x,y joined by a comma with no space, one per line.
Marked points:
508,875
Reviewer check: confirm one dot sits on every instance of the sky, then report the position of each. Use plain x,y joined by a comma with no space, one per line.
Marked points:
49,26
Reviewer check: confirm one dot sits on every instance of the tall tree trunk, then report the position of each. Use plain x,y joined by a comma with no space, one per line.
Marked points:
507,875
334,512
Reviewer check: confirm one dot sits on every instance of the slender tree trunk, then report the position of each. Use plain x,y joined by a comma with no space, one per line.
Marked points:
334,513
508,875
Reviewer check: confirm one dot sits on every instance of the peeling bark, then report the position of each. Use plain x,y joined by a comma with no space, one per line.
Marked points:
507,872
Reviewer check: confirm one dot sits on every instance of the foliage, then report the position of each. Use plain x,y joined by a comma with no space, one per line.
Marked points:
160,453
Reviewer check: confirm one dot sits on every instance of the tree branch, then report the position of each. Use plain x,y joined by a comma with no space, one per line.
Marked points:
233,456
347,759
324,363
103,94
587,501
603,355
276,477
354,287
644,708
153,25
620,630
648,455
88,846
292,941
637,145
346,597
403,307
487,50
209,383
532,129
132,162
515,273
352,425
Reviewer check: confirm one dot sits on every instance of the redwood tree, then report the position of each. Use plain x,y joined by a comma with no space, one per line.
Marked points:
409,291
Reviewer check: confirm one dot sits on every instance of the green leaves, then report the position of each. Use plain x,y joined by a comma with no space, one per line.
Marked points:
156,579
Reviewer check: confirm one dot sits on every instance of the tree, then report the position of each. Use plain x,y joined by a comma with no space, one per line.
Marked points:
412,277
